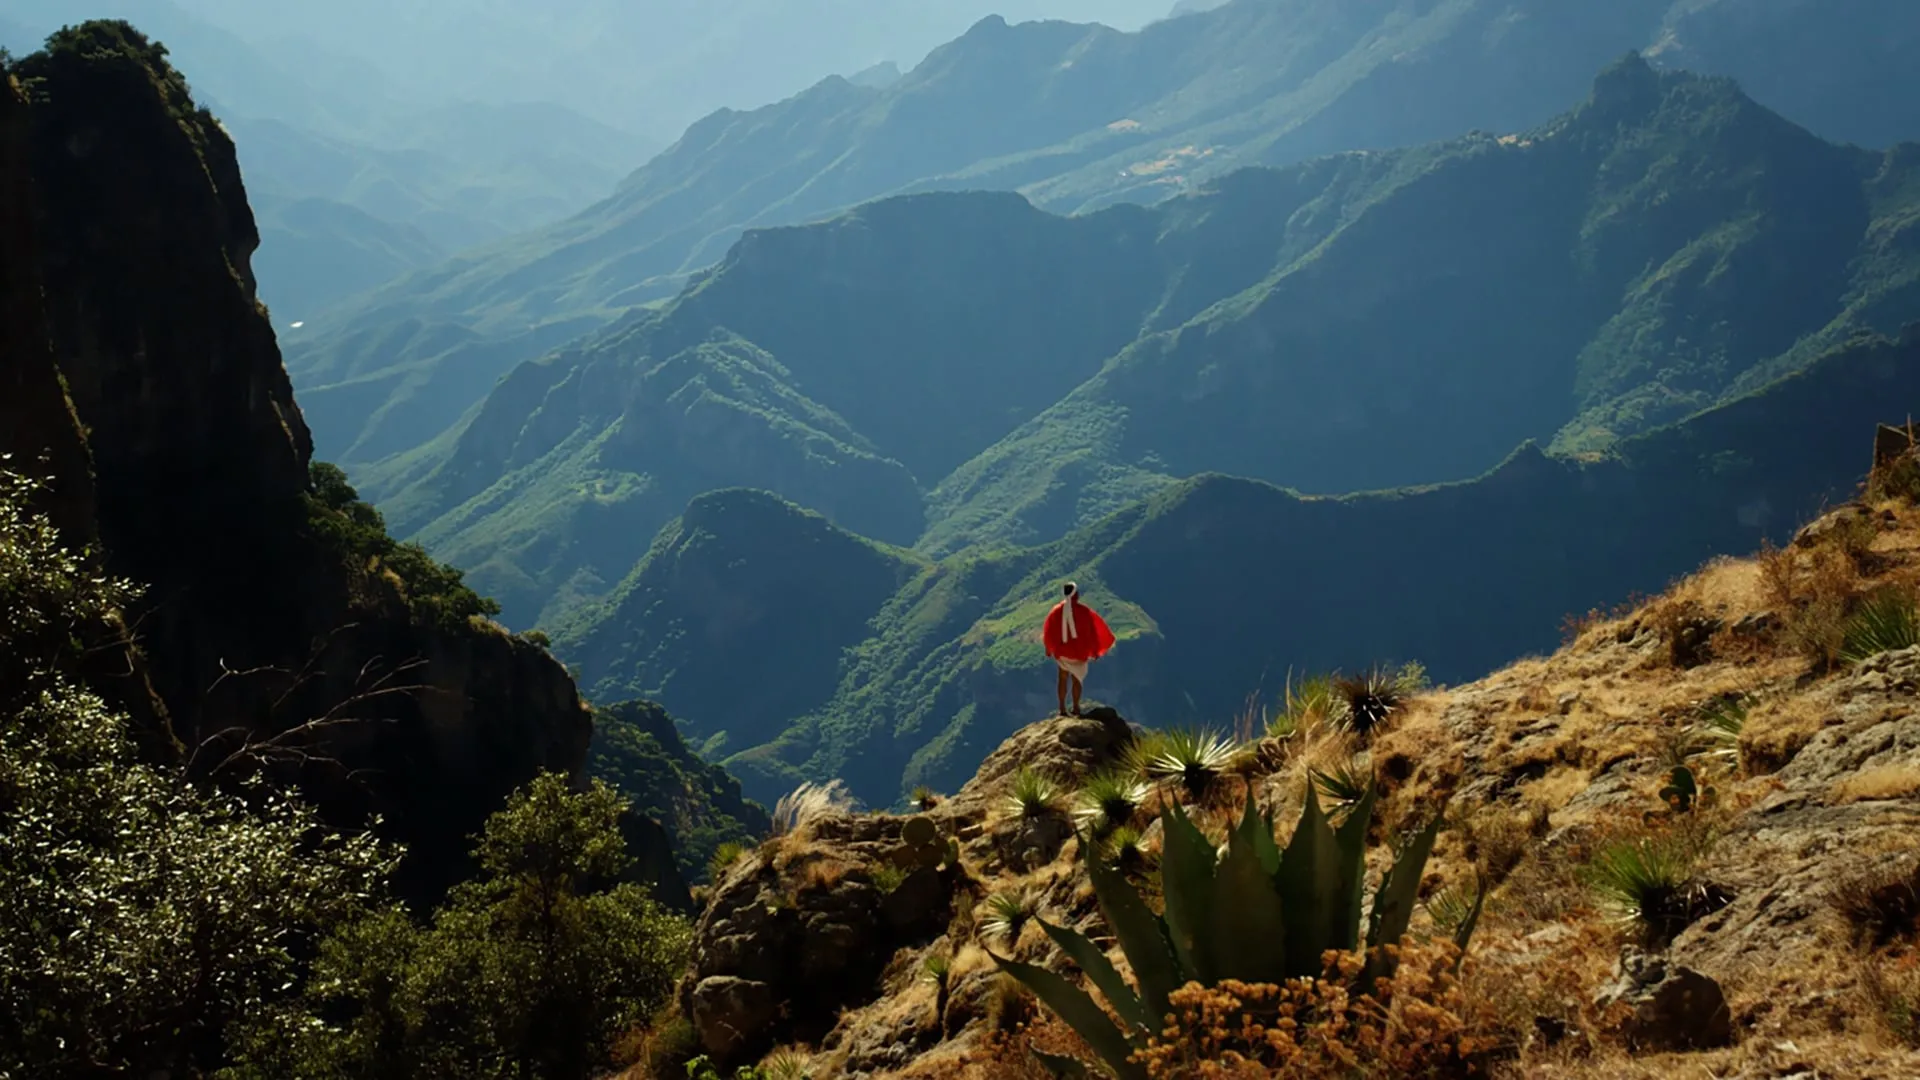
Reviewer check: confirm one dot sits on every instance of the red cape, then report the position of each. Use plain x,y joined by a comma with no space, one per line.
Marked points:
1091,638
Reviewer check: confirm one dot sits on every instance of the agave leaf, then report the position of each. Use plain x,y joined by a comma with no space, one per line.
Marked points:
1257,830
1464,932
1248,934
1078,1009
1063,1066
1393,904
1101,972
1351,838
1309,891
1186,881
1143,937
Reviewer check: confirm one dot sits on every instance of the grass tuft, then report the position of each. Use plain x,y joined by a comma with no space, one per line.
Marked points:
724,856
810,801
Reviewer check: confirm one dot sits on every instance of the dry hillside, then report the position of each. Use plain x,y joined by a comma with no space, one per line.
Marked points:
1766,927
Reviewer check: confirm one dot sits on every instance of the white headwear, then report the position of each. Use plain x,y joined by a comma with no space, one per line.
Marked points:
1067,632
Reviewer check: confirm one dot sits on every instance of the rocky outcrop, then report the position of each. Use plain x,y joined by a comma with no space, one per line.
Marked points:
804,927
254,623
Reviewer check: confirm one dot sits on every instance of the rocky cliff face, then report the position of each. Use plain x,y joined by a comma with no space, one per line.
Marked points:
257,623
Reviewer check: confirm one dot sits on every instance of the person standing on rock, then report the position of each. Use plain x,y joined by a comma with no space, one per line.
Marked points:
1075,635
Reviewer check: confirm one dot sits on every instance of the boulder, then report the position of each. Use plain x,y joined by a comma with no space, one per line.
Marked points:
729,1013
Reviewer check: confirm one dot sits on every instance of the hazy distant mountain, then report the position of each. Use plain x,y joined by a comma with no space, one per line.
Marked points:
1077,117
317,125
652,67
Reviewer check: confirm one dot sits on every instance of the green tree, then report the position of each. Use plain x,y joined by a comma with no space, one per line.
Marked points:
140,915
533,970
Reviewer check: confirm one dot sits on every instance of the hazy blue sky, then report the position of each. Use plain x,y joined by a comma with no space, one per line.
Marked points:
650,66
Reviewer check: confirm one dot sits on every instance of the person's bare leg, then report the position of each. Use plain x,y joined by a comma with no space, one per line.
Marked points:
1076,696
1063,691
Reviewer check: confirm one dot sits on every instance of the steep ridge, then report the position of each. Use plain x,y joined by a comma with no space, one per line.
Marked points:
1619,268
1078,116
740,586
1358,322
276,615
1218,586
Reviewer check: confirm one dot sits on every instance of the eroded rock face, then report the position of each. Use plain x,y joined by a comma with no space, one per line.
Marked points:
796,931
181,409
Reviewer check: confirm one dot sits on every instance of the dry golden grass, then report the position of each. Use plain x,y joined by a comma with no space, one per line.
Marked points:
1882,782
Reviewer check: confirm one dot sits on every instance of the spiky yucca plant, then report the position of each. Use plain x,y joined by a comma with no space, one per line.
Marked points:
1306,705
1108,801
1644,881
1007,914
1345,783
785,1065
1371,699
1194,760
1034,794
1888,620
1121,847
1255,913
924,797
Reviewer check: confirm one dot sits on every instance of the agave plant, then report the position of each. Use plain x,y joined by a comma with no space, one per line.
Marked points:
1195,760
1256,914
1108,801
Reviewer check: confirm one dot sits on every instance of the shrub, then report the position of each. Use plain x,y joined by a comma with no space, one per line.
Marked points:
140,914
1648,880
356,533
1372,698
536,968
1252,913
1307,705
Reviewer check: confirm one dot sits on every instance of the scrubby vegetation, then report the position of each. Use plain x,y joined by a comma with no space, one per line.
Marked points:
637,750
149,922
436,594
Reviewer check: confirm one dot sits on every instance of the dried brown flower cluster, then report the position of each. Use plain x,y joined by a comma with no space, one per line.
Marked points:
1418,1023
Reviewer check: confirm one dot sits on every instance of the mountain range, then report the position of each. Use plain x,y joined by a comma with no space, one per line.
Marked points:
1074,117
953,371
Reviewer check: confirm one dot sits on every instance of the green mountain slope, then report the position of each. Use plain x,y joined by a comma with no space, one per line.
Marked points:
1218,586
1080,116
737,615
637,749
1665,244
553,491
